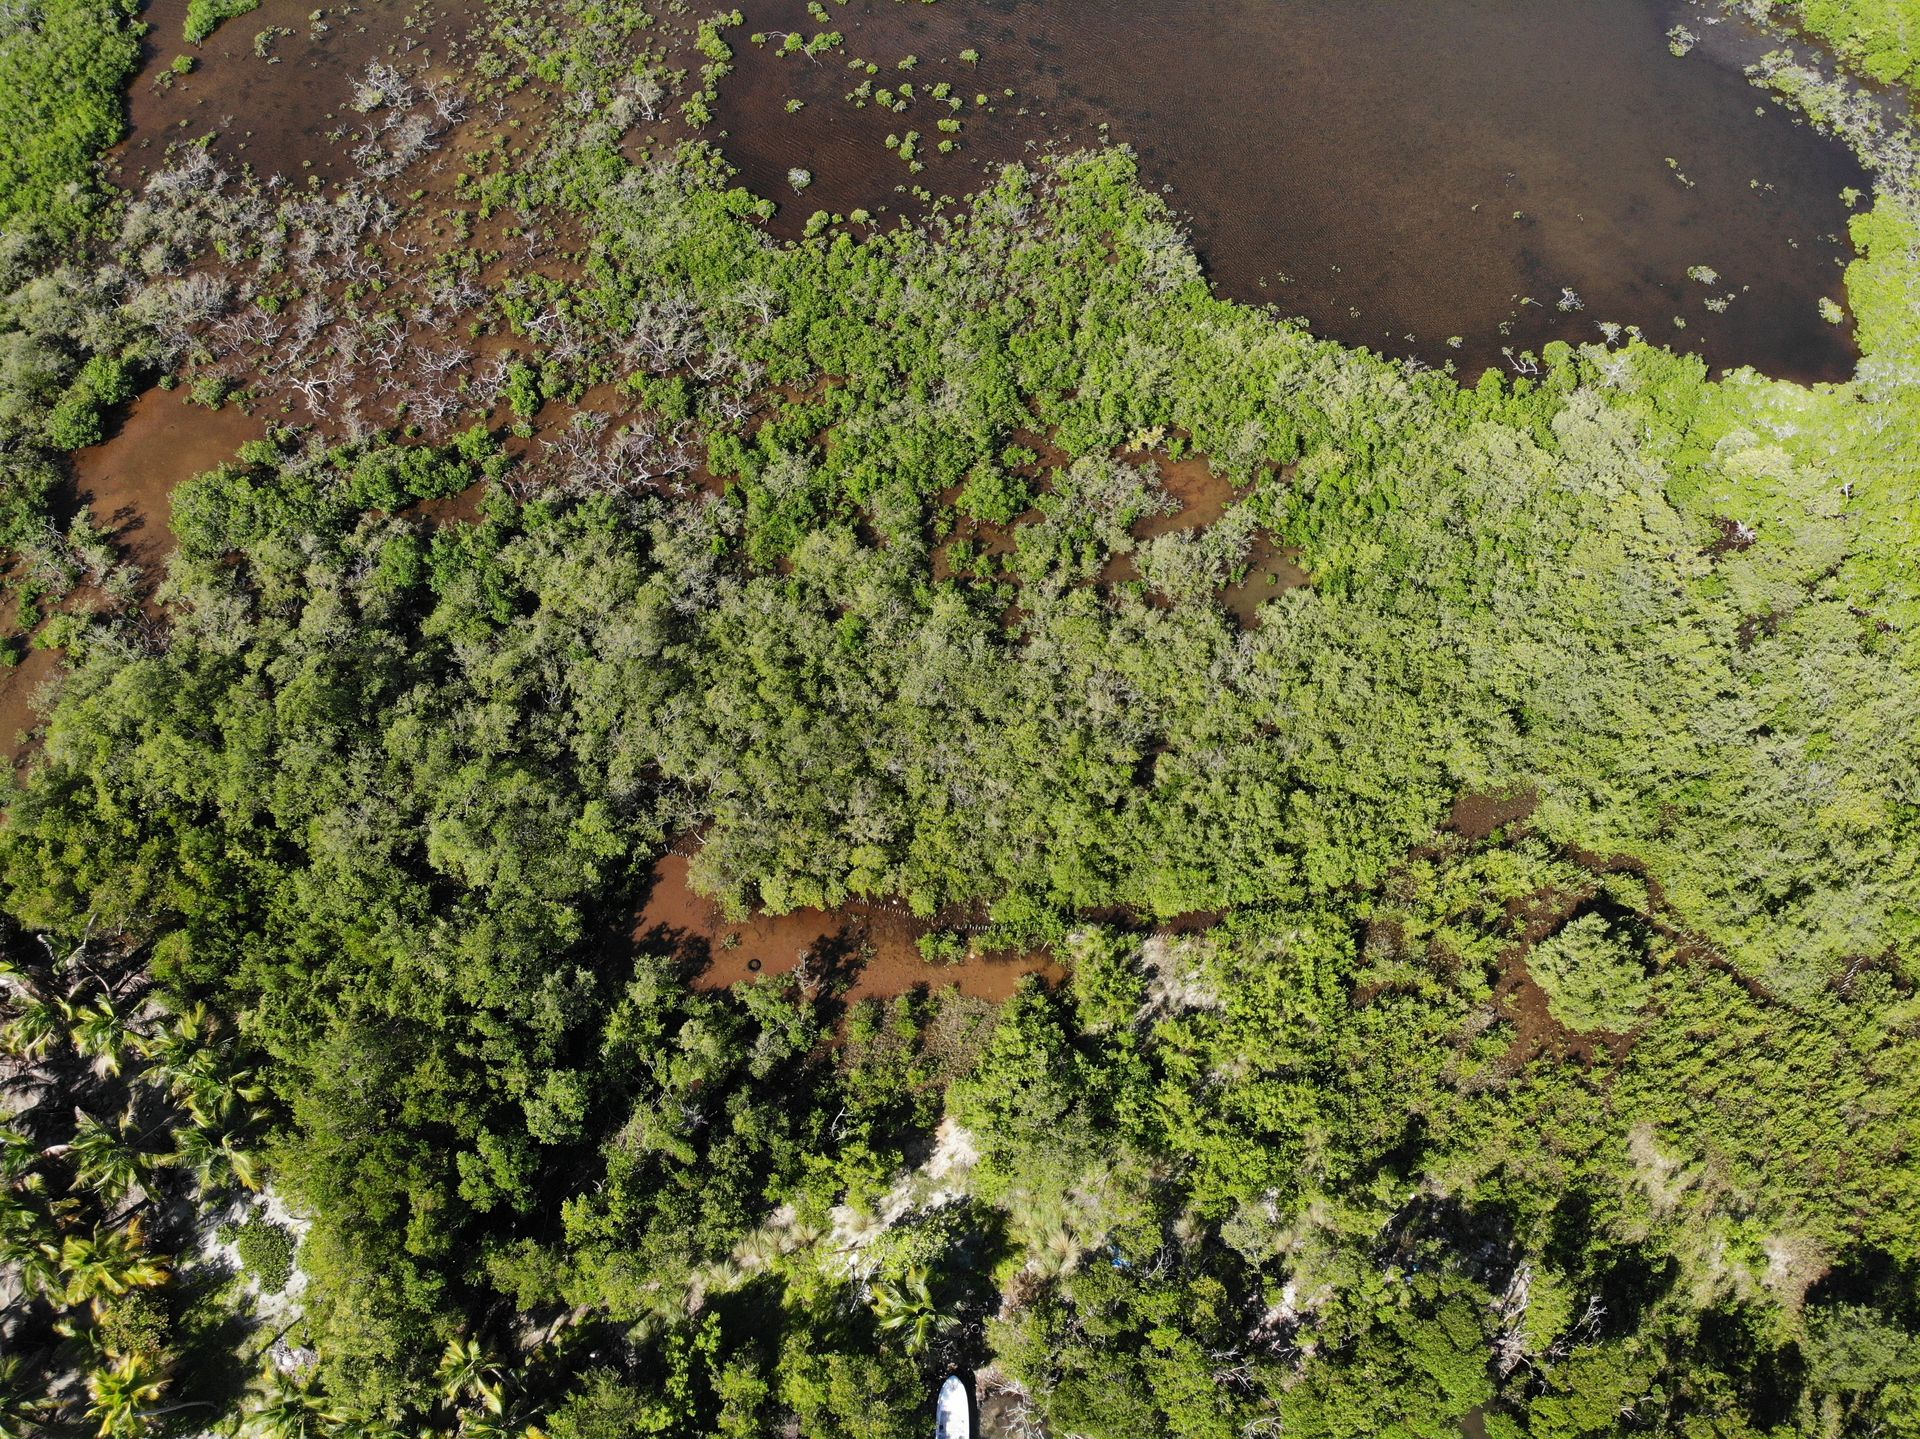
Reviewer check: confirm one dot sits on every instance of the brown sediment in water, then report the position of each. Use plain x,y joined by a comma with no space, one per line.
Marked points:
1203,496
272,112
1395,174
1518,997
288,120
1200,495
163,441
20,684
1272,570
127,483
1253,173
860,951
1477,816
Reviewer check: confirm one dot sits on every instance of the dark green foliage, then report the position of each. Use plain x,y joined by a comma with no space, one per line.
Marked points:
391,479
76,421
266,1250
396,786
853,1395
1610,1114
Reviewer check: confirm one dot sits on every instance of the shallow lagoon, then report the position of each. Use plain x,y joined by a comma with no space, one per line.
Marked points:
1397,173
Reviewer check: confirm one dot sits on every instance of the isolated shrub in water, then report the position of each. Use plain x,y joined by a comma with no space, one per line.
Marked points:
1595,977
75,422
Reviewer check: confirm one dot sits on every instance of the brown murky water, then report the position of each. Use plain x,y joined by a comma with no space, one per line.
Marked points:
861,951
127,482
274,111
1397,174
20,688
161,442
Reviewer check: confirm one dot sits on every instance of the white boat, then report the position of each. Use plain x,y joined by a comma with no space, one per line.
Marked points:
953,1414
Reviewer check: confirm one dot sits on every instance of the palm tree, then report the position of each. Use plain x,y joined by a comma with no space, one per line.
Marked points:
122,1397
467,1372
37,1028
35,1264
190,1060
907,1309
104,1159
378,1429
14,975
101,1035
29,1243
483,1424
108,1263
291,1409
214,1158
22,1406
179,1037
18,1154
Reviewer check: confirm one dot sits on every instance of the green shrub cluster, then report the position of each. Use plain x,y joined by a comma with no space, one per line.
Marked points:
1880,38
266,1252
206,16
63,76
1607,1120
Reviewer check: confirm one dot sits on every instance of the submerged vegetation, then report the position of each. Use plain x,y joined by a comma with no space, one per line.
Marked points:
1489,962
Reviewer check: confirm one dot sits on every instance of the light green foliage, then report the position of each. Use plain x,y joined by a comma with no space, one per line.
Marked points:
206,16
1190,566
137,1323
1594,975
390,791
63,67
69,352
992,495
1878,37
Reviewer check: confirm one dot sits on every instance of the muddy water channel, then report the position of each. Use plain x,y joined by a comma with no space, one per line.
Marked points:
1398,174
860,951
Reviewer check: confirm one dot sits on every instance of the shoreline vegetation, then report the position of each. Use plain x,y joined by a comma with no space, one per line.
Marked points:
1483,974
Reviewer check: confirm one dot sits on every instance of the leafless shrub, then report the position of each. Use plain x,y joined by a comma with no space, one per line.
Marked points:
178,310
382,85
449,105
489,383
667,333
433,365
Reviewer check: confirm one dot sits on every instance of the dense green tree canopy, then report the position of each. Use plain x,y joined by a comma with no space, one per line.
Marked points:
1350,1117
